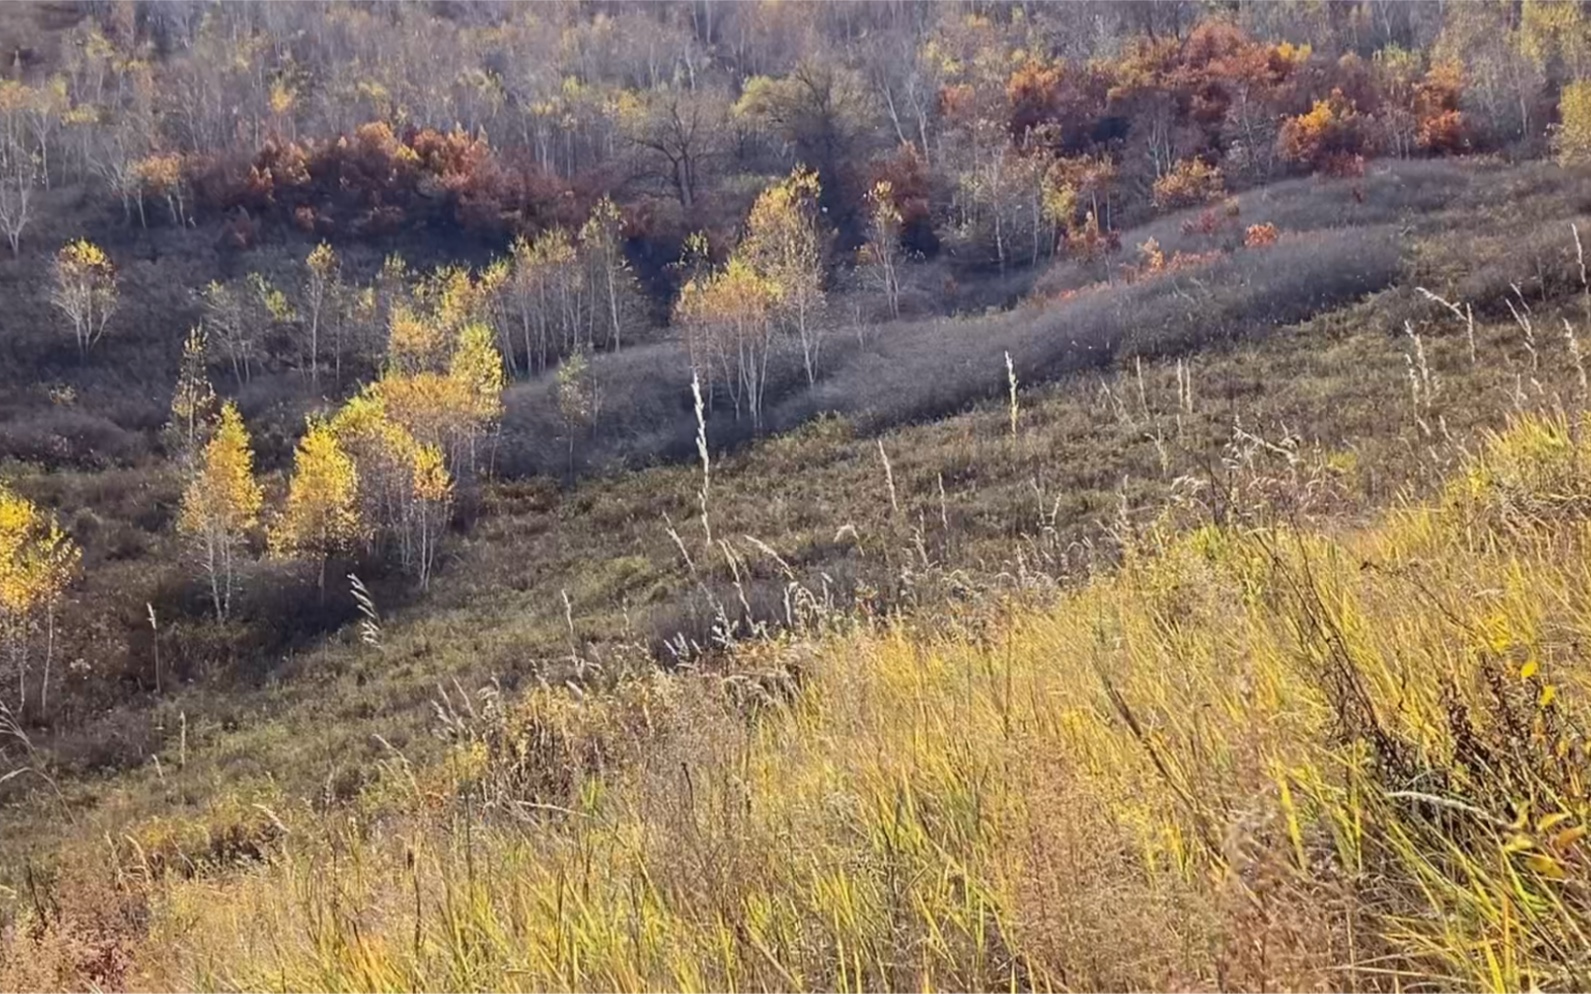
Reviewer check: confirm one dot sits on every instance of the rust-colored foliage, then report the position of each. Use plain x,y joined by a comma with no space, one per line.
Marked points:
1260,235
375,180
910,187
1210,222
1442,129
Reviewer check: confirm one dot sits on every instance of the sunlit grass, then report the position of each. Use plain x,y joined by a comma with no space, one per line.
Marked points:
1252,757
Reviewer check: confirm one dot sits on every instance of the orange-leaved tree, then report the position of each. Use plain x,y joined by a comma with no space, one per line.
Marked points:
1331,137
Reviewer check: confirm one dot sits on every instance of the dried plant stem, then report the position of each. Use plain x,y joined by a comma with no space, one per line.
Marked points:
701,451
1574,352
1465,314
889,477
1522,318
1010,377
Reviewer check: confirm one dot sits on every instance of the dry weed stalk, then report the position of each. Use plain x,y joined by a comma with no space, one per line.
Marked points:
1143,396
1184,387
1466,315
1522,318
702,452
1422,387
369,622
1010,377
1579,258
1575,356
889,478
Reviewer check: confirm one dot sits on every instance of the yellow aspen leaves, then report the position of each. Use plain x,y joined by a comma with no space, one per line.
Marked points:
38,561
728,321
880,255
784,242
321,516
221,506
84,289
1573,137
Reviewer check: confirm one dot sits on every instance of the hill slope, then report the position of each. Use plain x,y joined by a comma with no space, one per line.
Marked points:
1254,756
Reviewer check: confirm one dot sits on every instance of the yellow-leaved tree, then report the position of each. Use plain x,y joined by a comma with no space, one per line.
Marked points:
728,320
322,287
404,489
431,497
38,562
612,285
475,371
1573,137
221,506
542,296
321,517
84,290
880,255
784,243
444,376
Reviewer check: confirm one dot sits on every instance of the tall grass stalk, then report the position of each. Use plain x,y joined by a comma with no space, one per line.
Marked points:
703,454
1010,378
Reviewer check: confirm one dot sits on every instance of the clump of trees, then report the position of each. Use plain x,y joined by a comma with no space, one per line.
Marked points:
38,562
771,289
379,475
1000,130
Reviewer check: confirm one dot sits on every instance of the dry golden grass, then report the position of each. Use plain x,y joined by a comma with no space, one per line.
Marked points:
1255,756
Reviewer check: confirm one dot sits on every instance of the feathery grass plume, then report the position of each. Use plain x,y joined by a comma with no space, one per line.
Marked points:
1143,395
1010,377
370,620
702,453
1575,356
1465,314
1522,318
154,640
889,477
1579,258
1420,381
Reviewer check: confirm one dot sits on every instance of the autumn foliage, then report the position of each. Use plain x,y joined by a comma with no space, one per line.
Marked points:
1330,138
375,180
1260,235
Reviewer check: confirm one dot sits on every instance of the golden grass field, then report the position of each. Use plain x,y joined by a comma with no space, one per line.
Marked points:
1254,756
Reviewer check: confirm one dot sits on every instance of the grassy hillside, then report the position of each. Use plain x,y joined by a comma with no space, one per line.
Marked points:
793,495
1253,756
1170,671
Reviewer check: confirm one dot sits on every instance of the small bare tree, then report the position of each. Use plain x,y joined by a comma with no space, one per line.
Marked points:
16,204
84,290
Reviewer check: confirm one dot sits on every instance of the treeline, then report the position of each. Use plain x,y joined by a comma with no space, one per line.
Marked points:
1004,131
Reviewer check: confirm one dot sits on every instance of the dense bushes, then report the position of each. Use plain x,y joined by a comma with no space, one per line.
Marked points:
373,182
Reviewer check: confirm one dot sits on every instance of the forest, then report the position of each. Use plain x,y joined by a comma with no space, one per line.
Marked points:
937,493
